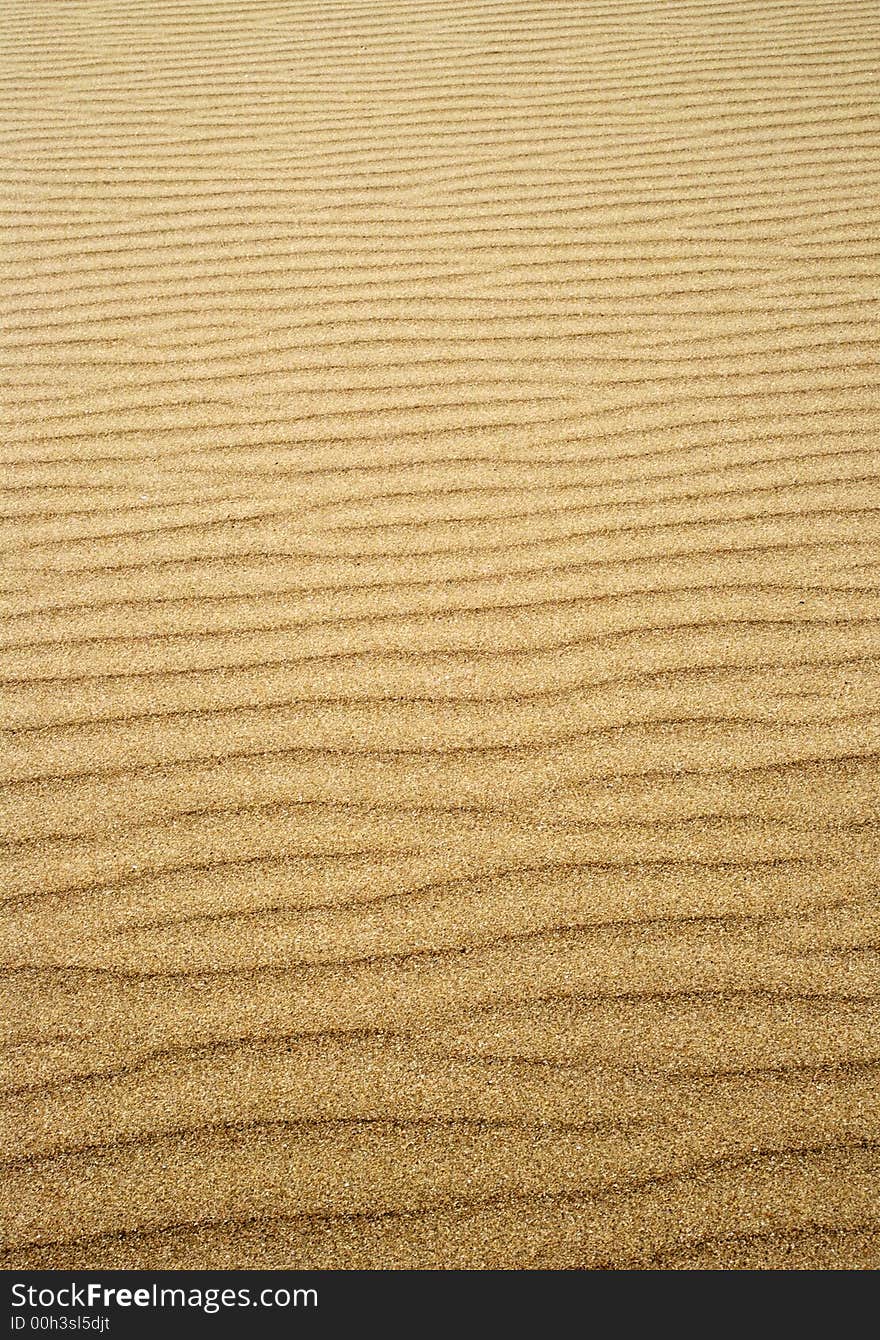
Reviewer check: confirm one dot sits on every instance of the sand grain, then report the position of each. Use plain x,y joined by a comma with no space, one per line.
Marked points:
441,634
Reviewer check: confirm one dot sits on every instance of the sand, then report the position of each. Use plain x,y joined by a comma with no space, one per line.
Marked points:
441,623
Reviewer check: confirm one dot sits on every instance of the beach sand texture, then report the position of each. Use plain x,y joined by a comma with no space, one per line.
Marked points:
440,658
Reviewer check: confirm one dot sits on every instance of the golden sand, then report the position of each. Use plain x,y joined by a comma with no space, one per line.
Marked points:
440,656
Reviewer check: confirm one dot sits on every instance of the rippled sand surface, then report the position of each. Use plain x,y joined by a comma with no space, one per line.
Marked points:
440,650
